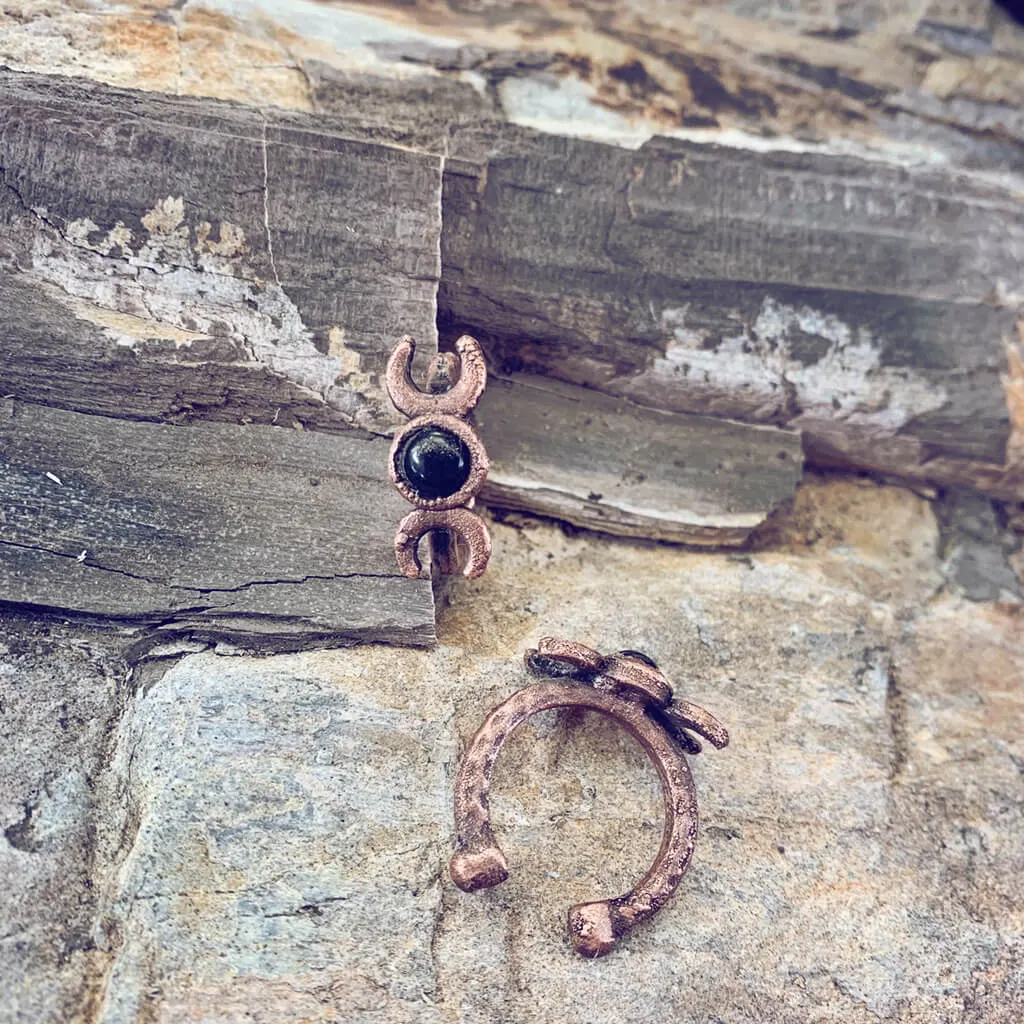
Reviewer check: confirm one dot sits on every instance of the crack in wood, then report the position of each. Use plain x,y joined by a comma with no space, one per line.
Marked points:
86,563
167,547
266,202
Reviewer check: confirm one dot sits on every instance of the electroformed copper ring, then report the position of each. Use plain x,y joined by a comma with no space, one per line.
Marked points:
629,688
437,462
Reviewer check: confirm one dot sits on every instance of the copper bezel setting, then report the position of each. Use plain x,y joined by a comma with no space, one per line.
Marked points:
479,464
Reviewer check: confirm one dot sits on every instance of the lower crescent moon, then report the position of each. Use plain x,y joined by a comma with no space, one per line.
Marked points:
461,521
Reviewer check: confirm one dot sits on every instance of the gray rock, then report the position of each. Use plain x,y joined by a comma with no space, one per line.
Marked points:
60,695
272,834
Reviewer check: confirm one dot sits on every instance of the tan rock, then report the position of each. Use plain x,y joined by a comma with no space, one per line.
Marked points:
274,832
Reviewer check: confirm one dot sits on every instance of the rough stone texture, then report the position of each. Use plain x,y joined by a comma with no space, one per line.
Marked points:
189,836
61,692
932,80
271,834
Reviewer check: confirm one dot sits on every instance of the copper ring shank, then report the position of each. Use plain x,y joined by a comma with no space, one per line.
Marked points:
479,862
630,688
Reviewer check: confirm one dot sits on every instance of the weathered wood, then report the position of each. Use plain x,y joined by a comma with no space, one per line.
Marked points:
165,261
165,309
56,355
181,260
593,460
850,300
805,268
242,245
269,536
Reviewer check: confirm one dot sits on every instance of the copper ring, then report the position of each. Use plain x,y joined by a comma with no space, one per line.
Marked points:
479,464
455,382
630,689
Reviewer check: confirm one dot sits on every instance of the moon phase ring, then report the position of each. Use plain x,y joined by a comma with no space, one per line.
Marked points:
629,688
437,462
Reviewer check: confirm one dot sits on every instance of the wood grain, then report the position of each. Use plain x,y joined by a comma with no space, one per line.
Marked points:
270,536
675,322
218,260
594,460
850,300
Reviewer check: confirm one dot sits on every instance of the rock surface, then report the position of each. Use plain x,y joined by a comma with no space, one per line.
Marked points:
190,834
228,839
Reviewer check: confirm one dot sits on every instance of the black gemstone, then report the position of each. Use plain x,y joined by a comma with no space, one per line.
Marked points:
435,463
640,656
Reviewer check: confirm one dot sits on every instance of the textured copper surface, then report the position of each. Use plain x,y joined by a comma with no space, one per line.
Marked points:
458,400
461,522
624,687
455,382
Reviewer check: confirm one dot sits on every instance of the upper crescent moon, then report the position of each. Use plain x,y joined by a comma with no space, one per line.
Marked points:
458,400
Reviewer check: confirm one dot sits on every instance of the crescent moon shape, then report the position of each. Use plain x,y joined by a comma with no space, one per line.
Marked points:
459,400
563,659
467,525
681,715
479,862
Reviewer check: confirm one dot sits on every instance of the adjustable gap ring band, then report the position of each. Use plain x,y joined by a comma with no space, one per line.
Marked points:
629,688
